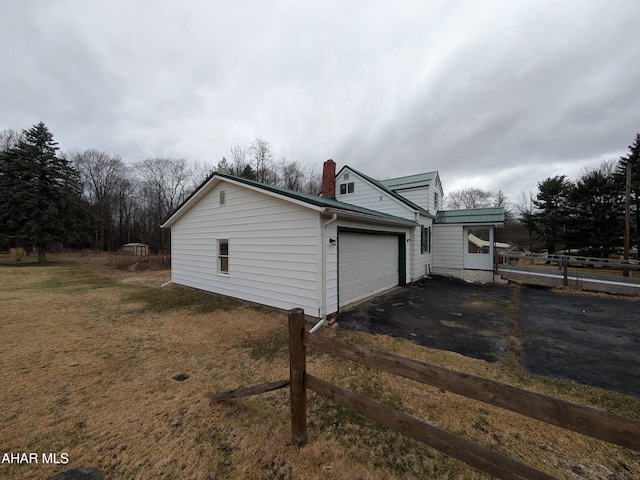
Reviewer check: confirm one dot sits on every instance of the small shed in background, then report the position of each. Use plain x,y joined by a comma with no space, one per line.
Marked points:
137,249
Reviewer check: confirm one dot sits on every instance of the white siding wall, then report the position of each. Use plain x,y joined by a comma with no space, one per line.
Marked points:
448,250
273,248
367,196
421,263
419,196
425,196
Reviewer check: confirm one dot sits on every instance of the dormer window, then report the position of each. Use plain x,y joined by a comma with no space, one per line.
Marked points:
347,188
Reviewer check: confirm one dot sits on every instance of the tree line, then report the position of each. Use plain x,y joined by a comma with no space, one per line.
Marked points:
585,215
588,215
93,199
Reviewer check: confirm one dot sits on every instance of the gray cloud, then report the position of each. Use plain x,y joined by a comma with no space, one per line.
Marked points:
494,94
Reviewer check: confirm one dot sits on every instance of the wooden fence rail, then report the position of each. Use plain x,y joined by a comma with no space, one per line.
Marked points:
572,260
588,421
464,450
248,391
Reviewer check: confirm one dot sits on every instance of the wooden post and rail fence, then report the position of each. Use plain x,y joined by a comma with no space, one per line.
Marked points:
573,260
588,421
524,268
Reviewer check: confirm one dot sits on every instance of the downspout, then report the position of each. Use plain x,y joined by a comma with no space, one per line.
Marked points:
323,318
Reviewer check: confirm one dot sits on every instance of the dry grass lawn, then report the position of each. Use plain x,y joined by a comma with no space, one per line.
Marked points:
88,360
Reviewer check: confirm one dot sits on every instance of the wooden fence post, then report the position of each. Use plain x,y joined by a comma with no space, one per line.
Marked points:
565,265
297,367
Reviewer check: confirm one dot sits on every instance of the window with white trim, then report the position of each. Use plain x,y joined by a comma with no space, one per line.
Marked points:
347,188
223,256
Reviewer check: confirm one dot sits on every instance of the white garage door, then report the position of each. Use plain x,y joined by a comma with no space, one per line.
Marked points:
367,264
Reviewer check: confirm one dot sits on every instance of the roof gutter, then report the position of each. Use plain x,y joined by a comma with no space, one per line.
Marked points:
374,219
323,307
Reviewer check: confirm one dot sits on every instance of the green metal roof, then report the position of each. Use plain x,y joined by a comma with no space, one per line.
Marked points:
328,203
410,181
381,186
490,215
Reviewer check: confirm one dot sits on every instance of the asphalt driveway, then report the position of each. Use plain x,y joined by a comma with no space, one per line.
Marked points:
587,339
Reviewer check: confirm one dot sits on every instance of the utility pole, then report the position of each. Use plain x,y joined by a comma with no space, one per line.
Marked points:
627,218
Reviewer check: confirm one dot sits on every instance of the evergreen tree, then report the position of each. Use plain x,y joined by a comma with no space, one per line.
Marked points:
551,220
597,208
632,161
247,173
40,195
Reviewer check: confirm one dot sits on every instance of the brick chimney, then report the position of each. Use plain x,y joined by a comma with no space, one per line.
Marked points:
329,179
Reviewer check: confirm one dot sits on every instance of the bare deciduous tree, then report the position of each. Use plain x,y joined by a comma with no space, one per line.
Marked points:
312,180
261,158
469,198
291,175
101,175
255,162
165,184
525,204
239,159
199,173
9,139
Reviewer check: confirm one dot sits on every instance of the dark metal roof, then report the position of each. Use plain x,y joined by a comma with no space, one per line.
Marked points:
328,203
491,215
410,181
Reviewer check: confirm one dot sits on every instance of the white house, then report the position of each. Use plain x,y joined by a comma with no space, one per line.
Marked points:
286,249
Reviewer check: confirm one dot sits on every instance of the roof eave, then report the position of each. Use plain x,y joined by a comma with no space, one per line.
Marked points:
472,224
214,180
372,218
204,188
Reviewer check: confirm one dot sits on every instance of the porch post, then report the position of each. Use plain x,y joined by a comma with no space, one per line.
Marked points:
492,243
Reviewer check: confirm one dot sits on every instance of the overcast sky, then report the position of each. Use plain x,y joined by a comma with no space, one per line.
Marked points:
497,95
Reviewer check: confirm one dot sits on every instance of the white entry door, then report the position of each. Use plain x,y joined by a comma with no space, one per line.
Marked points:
478,254
367,264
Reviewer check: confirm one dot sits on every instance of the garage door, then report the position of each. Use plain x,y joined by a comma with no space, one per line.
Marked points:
367,264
